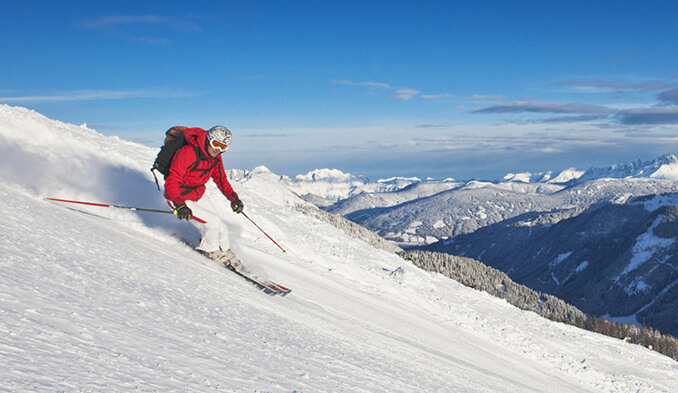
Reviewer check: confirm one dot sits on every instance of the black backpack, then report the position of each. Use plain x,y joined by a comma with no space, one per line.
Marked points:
173,142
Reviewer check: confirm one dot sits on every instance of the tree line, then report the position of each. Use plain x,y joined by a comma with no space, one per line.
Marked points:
477,275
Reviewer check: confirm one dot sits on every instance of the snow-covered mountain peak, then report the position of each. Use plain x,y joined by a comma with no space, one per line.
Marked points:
544,177
324,187
664,167
260,171
527,177
400,181
263,182
329,176
566,176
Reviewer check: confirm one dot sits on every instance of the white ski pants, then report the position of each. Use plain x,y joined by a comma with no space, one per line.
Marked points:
214,231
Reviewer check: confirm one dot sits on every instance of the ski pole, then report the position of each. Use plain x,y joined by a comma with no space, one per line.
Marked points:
141,209
262,231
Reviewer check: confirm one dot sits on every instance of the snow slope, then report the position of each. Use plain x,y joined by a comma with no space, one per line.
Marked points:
111,300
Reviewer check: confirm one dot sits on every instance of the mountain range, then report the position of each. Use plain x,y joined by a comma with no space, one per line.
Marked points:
603,239
415,212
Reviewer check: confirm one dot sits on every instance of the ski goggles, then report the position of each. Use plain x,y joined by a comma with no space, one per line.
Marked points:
218,145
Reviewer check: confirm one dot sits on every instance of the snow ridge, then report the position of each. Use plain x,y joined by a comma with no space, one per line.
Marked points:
664,167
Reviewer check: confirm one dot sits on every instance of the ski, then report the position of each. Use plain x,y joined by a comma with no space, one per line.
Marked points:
281,290
268,287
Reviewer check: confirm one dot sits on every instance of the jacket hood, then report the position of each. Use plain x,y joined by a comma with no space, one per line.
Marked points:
197,137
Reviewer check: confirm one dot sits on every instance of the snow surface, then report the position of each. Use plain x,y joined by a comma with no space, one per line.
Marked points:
657,201
96,299
647,245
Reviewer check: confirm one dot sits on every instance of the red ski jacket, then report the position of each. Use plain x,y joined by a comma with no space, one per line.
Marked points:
192,167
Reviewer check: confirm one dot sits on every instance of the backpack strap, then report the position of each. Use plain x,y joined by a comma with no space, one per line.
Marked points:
199,157
157,184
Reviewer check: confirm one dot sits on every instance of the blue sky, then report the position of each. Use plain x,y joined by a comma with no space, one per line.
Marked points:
472,89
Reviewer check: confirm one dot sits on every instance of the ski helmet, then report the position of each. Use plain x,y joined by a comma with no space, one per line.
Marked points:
220,136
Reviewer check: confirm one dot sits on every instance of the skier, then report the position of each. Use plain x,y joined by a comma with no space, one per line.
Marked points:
192,166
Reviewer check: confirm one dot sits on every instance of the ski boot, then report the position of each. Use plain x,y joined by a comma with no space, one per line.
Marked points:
227,257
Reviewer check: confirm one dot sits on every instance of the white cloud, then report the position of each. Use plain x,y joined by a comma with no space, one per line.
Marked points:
488,97
113,21
435,96
544,107
405,94
604,85
91,95
367,84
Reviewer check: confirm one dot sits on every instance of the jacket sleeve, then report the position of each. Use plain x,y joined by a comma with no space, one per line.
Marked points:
178,170
220,178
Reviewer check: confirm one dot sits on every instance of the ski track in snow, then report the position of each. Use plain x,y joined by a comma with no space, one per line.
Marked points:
109,300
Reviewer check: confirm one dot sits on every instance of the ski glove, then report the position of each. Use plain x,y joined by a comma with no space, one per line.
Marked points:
237,205
183,212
